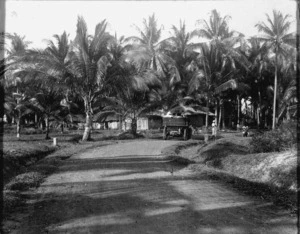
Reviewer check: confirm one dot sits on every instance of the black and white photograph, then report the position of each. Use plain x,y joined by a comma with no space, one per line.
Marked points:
157,117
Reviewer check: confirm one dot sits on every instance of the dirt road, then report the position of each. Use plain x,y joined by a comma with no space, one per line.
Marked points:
131,188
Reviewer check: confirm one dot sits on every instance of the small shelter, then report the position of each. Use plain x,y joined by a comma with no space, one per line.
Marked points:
151,120
112,122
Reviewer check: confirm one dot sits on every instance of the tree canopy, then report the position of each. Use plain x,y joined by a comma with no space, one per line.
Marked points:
107,74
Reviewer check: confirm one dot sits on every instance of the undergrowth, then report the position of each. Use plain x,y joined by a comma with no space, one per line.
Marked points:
283,138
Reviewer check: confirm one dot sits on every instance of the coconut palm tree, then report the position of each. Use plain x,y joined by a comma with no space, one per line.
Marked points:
89,60
16,105
221,57
47,103
127,81
287,87
278,38
15,79
148,51
2,43
181,49
134,92
216,31
81,66
206,75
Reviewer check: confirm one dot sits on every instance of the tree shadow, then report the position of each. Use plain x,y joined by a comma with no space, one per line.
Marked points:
137,194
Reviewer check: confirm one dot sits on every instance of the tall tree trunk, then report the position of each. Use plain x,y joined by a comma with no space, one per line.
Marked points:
206,117
223,115
134,126
88,120
18,120
62,127
18,128
47,127
239,110
275,94
216,111
120,123
258,117
87,127
220,115
266,123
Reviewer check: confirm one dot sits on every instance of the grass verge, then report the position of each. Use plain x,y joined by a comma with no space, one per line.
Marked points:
28,161
172,152
272,176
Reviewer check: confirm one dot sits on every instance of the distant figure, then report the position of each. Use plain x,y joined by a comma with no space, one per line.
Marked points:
214,129
245,131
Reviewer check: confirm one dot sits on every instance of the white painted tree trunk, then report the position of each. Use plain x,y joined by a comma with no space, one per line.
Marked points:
88,119
87,128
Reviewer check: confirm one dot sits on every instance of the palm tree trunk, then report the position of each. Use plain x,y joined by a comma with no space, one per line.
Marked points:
206,117
47,127
239,110
258,117
62,127
134,126
88,120
120,123
18,120
87,128
216,111
265,120
18,128
223,115
220,115
275,94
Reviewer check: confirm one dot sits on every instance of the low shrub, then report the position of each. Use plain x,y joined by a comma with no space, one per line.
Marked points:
11,200
129,135
25,181
44,169
76,138
285,137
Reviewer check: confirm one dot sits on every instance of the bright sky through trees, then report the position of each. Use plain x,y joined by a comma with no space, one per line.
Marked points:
39,20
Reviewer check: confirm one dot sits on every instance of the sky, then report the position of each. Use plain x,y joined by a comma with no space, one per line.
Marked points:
39,20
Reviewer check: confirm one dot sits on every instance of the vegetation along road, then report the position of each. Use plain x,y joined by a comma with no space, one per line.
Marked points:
131,187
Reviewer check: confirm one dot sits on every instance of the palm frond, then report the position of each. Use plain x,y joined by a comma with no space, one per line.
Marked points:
231,84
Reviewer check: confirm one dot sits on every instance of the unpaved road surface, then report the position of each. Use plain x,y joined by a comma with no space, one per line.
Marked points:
130,188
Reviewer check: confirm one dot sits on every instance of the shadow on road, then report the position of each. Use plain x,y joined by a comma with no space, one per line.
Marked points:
145,194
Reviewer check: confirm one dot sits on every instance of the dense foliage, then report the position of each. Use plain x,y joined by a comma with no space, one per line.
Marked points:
285,137
93,76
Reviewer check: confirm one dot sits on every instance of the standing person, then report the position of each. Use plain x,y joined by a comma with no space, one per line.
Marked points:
214,129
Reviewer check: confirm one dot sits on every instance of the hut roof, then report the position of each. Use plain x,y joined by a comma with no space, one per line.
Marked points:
112,118
189,110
